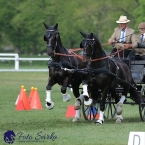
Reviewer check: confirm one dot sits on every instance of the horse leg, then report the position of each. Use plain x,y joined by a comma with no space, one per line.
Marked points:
49,104
66,97
114,95
102,106
87,101
119,105
77,116
79,97
77,105
119,109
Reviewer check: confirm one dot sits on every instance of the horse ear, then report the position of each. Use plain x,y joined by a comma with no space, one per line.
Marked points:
46,26
91,35
83,34
45,38
56,25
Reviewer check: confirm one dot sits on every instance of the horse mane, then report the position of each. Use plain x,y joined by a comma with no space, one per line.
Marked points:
97,41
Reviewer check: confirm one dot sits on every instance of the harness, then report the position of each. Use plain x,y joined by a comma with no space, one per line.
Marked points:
63,64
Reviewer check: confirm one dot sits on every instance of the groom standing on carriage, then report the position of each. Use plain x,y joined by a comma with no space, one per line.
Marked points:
123,39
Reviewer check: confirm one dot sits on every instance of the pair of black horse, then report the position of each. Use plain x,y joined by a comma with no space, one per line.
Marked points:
95,70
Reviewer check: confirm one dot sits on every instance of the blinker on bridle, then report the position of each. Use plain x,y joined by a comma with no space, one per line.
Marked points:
49,36
91,43
56,32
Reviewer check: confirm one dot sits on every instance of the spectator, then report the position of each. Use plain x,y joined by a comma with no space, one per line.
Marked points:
140,50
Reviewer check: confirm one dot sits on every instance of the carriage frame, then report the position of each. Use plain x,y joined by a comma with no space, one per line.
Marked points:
138,73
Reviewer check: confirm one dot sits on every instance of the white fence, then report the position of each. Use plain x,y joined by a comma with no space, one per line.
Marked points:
16,58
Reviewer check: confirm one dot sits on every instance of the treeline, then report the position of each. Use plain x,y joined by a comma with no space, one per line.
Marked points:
21,21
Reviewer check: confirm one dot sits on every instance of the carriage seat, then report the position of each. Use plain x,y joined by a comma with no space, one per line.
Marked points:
137,73
129,58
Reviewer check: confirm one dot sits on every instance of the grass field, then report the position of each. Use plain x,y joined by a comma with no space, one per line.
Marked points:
33,122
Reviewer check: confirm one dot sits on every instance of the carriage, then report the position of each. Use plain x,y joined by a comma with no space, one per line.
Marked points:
70,75
138,73
124,83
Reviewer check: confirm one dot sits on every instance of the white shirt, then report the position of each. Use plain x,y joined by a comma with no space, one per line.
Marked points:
120,40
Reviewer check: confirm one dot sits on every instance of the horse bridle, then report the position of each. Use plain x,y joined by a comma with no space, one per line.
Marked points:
49,36
90,43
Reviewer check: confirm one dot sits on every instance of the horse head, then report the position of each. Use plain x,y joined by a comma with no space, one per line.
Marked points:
91,49
88,46
51,37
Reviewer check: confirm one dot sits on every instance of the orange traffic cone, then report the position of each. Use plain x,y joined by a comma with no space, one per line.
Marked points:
20,105
35,101
70,111
25,100
31,94
23,103
20,94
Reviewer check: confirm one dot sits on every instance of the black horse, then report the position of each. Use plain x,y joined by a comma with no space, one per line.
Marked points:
106,74
62,60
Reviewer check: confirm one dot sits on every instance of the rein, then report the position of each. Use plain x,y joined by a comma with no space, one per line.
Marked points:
77,49
108,56
72,51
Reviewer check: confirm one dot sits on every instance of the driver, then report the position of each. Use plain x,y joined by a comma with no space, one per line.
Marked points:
123,37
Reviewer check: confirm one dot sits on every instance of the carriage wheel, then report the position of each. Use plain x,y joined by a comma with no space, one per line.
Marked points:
110,108
142,105
91,112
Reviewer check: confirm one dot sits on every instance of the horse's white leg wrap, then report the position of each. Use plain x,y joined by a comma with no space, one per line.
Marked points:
119,105
85,93
101,118
119,118
85,90
48,96
49,104
77,116
78,102
78,113
66,97
122,99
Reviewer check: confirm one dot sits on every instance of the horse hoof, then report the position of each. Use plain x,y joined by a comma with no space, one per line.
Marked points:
88,102
49,105
66,98
77,104
99,122
118,121
119,108
76,119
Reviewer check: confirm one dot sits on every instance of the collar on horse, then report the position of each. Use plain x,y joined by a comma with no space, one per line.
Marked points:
62,64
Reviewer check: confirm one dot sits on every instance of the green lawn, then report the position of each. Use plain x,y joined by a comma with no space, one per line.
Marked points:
37,124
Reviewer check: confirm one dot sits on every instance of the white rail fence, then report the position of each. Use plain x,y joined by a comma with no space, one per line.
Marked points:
16,58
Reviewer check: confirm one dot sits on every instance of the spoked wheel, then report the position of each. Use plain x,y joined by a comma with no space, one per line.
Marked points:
91,112
142,105
110,108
